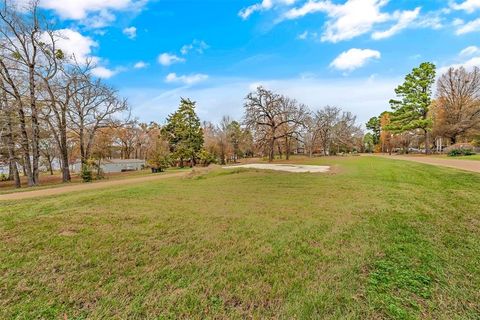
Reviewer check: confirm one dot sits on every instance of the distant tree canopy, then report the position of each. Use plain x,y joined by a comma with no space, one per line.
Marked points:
184,133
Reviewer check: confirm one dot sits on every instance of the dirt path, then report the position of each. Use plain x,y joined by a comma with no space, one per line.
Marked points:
467,165
86,186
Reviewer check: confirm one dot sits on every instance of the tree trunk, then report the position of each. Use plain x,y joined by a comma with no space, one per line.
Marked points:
66,177
287,148
13,170
27,167
35,125
50,165
427,142
271,155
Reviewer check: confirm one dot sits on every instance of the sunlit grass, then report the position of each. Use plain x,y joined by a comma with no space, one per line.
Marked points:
374,239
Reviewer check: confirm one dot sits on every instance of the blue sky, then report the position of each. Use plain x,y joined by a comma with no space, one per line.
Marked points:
348,53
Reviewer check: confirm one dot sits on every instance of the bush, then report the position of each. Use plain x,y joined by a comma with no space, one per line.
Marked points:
86,173
460,149
206,158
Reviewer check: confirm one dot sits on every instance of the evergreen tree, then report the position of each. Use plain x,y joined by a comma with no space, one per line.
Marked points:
410,112
184,133
374,125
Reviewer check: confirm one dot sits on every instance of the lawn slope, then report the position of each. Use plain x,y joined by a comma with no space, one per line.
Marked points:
376,239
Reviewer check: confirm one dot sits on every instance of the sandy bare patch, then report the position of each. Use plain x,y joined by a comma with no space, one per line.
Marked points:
296,168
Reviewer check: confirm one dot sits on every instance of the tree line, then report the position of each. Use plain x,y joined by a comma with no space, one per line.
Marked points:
55,112
50,102
418,117
273,125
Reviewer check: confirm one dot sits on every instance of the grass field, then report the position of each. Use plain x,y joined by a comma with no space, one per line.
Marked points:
473,157
375,239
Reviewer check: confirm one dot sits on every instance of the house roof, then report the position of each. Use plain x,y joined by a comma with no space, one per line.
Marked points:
120,161
124,161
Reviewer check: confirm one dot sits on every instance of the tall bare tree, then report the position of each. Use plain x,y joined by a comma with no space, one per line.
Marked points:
271,117
94,106
8,134
458,102
19,55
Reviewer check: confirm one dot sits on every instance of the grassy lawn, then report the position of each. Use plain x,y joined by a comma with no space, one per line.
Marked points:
47,181
473,157
376,239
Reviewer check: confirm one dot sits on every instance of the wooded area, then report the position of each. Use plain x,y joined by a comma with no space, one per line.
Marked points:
423,121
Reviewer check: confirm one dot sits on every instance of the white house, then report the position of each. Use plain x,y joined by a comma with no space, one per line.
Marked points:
115,165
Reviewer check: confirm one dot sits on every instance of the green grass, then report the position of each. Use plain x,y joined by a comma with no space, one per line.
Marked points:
378,239
472,157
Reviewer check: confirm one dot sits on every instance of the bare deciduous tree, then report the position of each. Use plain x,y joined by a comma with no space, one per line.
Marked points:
458,102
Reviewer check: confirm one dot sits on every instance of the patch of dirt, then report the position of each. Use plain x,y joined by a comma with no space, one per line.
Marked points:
68,233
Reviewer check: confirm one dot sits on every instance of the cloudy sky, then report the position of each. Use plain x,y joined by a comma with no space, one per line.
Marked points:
347,53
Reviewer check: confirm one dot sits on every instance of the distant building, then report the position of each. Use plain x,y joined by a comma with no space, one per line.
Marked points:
115,165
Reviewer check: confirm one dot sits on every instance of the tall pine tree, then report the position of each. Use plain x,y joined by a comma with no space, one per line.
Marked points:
184,133
410,111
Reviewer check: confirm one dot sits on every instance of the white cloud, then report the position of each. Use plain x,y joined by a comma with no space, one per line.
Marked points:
79,48
346,21
458,22
307,35
102,72
404,19
75,45
357,17
167,59
245,13
93,13
467,64
130,32
140,65
467,58
309,7
303,36
468,27
186,79
470,51
468,5
354,59
196,45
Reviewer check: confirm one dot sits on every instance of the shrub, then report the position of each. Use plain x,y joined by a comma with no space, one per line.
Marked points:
206,158
86,173
460,150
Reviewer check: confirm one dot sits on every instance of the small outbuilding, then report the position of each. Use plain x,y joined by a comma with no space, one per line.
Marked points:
115,165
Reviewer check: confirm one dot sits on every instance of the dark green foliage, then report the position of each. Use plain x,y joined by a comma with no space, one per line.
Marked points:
184,132
461,152
410,111
206,158
374,125
86,173
369,142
